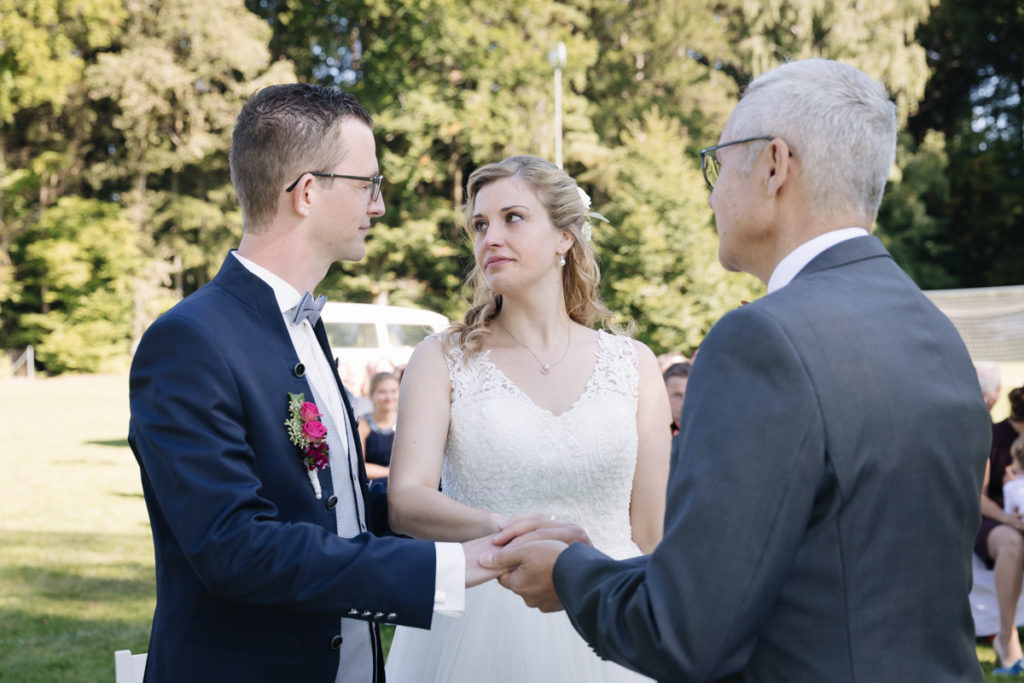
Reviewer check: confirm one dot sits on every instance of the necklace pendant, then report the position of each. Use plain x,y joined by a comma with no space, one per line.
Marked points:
545,369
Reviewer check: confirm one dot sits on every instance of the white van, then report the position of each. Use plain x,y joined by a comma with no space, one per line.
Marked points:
361,334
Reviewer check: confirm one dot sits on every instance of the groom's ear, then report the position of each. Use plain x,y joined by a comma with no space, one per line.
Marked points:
300,199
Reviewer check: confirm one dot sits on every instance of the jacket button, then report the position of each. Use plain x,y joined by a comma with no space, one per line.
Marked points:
332,502
299,369
336,642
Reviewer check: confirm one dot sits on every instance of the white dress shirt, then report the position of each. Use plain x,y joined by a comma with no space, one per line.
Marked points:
795,260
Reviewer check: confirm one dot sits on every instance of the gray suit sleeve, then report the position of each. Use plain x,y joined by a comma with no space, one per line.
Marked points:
745,471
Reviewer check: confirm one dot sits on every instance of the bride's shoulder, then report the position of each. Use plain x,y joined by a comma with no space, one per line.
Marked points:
429,354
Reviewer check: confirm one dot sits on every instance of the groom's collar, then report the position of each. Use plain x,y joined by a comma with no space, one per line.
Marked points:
286,295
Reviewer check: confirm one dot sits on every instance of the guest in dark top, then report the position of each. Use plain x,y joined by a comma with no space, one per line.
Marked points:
999,542
676,376
377,429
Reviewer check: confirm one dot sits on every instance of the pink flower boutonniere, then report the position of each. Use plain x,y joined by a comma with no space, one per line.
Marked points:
306,431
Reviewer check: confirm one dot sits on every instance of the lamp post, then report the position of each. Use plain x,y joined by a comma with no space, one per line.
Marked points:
557,59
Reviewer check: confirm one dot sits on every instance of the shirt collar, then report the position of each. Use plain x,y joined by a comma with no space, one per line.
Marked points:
287,296
795,260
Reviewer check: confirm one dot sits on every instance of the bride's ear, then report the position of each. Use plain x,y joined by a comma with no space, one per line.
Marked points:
566,239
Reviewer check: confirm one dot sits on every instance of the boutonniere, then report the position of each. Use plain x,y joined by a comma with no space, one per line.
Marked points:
306,431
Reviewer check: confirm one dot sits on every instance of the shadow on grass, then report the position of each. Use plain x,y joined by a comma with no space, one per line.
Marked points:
134,581
116,443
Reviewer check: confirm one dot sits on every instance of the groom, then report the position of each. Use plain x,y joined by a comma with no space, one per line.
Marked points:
265,568
825,484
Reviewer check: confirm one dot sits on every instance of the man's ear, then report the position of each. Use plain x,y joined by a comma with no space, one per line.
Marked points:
301,197
780,165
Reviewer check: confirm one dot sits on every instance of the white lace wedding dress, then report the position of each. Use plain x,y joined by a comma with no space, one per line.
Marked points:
506,454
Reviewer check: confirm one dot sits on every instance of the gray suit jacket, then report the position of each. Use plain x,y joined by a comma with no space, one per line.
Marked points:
822,501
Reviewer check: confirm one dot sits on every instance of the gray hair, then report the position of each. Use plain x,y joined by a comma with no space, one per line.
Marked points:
839,122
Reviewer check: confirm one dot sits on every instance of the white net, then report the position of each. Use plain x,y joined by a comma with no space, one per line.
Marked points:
990,320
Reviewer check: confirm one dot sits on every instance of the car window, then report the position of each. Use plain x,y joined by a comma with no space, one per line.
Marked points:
408,335
359,335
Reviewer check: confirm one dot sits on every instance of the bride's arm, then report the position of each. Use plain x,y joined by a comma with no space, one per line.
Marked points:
415,507
653,417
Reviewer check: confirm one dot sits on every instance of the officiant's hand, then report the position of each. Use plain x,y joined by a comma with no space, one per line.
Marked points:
537,527
527,571
475,574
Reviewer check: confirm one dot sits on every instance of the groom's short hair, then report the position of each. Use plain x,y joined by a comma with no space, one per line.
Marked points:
280,134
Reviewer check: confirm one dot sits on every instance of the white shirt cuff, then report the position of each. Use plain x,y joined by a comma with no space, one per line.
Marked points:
449,579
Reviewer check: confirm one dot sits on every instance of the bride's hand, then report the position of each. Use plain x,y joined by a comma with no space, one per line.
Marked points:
538,527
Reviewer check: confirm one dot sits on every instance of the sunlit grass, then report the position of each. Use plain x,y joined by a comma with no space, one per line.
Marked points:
76,556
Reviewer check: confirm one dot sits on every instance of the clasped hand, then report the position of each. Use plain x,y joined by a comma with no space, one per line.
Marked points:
522,555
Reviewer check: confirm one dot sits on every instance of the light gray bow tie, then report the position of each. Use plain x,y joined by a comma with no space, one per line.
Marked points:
308,307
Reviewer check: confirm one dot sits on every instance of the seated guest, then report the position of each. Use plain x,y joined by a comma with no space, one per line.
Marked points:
1013,481
999,542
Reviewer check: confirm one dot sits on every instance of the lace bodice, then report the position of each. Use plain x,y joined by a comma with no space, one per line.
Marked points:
506,454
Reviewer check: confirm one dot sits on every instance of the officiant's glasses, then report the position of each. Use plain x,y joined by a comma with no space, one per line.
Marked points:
710,164
376,180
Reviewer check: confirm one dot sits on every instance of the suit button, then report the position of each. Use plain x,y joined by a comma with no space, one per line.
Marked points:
336,642
299,369
332,502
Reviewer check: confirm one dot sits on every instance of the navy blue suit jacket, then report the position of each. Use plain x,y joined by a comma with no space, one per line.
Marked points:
251,575
822,500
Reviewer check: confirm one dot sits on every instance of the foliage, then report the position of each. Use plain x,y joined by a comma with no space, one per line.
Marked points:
659,263
974,104
131,103
79,259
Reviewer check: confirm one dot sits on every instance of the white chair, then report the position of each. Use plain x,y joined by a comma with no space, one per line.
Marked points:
129,668
984,607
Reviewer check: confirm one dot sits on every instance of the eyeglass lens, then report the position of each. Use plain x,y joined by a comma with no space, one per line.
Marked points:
711,168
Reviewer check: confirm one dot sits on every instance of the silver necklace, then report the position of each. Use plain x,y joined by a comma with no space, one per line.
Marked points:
545,368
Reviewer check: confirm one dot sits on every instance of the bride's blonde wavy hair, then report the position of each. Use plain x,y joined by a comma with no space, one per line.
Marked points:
559,196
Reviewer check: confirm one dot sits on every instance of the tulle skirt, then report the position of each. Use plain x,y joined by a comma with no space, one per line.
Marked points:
498,639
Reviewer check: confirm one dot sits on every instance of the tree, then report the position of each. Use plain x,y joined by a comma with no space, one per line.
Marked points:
173,88
659,255
79,259
974,107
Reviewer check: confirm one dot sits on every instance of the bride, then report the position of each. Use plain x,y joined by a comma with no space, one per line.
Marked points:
523,412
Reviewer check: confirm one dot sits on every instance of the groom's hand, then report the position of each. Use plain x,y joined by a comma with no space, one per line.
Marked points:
536,527
527,570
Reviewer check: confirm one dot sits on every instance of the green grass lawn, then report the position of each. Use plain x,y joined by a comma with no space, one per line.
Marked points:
76,557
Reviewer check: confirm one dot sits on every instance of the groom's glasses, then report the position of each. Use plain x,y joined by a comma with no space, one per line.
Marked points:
710,164
376,180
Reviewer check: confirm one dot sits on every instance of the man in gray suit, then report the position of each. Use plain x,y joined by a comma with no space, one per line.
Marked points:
824,491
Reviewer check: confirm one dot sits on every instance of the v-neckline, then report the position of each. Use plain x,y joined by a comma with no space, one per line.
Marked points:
486,358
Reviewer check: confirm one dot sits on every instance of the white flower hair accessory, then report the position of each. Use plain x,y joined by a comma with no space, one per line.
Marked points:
587,229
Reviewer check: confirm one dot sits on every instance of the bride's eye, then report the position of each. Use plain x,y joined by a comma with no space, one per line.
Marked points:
479,226
513,217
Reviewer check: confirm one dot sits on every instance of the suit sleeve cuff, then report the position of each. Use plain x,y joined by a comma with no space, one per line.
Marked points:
449,579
